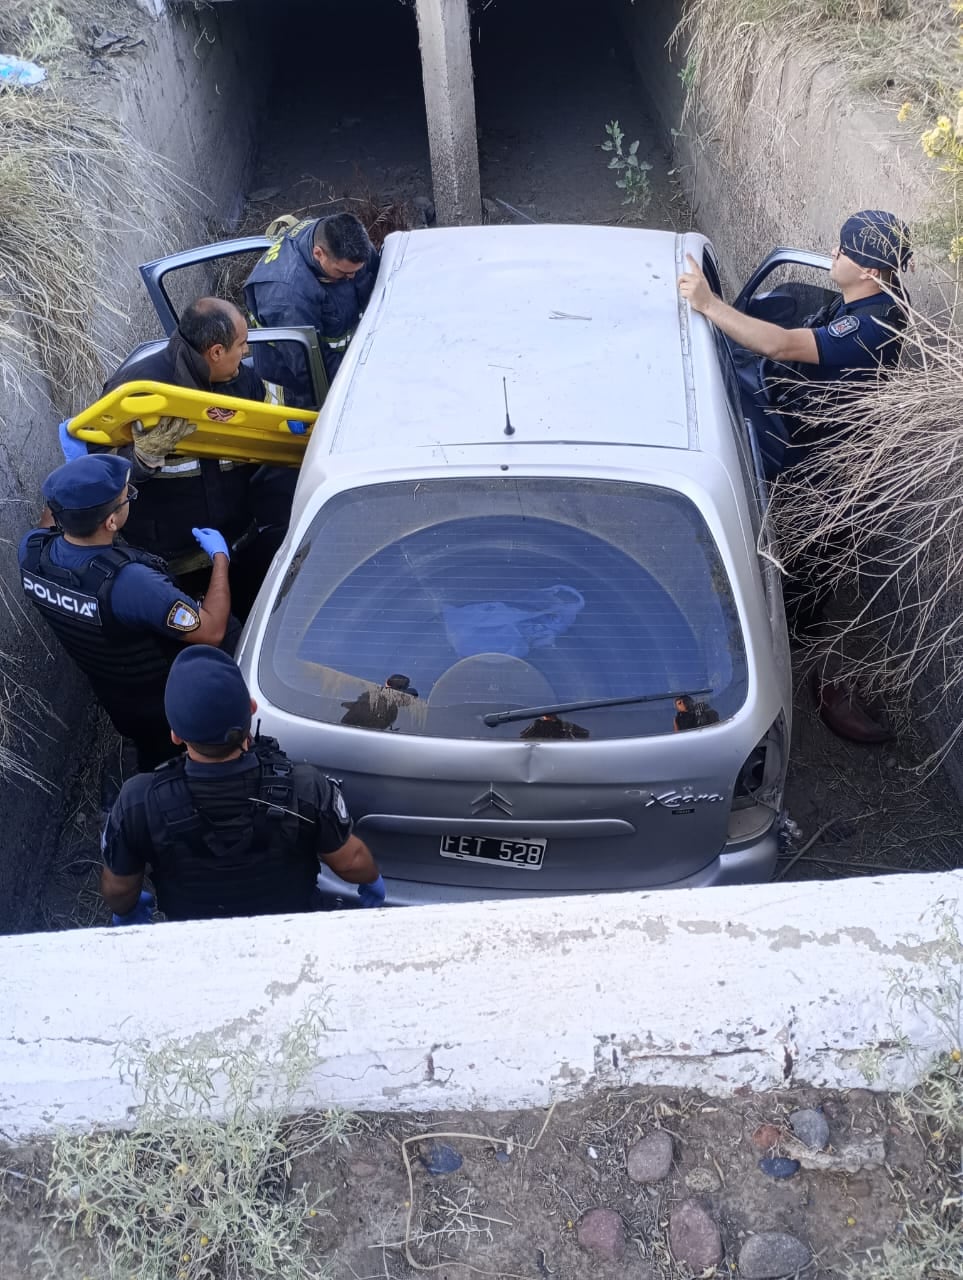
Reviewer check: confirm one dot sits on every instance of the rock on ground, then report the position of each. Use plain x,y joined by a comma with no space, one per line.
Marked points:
771,1255
602,1231
694,1237
765,1137
650,1159
810,1128
703,1181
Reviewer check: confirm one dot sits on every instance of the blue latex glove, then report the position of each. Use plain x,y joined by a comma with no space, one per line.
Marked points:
212,542
373,894
297,428
142,913
70,447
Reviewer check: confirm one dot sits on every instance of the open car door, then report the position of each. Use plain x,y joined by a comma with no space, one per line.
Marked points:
288,360
789,286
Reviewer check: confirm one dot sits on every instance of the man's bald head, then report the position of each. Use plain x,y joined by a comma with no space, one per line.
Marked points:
217,330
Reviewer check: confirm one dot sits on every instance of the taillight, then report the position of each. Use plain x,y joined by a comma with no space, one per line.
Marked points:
757,795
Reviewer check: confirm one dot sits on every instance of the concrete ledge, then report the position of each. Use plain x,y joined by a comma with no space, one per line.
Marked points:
492,1005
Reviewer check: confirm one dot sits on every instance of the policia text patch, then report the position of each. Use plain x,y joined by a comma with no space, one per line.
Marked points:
74,603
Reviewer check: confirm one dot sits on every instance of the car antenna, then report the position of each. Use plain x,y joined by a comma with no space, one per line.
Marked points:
509,429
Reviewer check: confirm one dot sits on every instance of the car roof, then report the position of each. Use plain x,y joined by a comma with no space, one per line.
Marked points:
580,326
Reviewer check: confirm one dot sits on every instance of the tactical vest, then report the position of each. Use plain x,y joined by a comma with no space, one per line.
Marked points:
120,661
260,861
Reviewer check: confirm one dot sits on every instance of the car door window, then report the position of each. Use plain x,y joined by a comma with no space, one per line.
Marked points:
787,288
294,372
711,272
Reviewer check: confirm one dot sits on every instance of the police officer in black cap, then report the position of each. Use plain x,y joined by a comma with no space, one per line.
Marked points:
233,829
113,607
848,340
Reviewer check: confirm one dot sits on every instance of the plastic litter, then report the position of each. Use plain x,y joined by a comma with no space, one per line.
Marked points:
440,1158
20,72
779,1167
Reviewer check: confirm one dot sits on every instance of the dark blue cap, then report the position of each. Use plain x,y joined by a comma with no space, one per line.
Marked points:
86,482
206,696
875,238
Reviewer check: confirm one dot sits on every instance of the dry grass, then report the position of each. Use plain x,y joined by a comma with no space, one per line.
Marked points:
877,514
930,1241
900,49
185,1193
73,187
37,32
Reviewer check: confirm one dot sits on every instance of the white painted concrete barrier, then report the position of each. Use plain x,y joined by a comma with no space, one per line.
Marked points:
492,1005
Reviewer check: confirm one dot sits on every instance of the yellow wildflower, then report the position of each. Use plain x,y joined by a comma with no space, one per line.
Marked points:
903,114
956,1055
205,1240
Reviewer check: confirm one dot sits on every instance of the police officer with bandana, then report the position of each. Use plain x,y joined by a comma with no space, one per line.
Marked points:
234,828
849,340
113,607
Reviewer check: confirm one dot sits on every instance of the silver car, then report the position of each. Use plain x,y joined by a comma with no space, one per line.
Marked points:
520,611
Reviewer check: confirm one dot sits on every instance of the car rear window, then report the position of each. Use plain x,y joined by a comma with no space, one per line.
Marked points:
421,607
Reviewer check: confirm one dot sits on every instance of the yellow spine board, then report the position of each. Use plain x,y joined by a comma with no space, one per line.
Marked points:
226,427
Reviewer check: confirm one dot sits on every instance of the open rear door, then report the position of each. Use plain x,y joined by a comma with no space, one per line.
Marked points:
288,360
787,287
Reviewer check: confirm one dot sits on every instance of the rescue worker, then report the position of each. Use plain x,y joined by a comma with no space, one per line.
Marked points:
320,274
234,828
179,493
113,607
847,341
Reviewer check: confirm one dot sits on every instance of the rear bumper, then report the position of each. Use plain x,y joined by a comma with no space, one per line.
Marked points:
749,864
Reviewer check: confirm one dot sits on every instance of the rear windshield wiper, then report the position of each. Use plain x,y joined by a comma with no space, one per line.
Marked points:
528,713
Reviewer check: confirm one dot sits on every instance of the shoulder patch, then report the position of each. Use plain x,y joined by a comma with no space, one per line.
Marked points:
337,799
183,618
843,326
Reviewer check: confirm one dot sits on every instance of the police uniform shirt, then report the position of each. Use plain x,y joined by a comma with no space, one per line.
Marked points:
129,846
140,597
853,344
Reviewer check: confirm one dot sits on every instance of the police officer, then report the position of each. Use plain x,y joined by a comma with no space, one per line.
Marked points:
847,341
113,607
233,829
179,493
319,274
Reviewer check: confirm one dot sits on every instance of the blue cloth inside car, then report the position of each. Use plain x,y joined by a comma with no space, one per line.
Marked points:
493,626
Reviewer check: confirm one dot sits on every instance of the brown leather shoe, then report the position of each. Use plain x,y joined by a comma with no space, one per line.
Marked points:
843,711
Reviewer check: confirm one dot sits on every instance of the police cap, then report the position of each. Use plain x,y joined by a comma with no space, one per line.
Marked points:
206,697
875,238
90,481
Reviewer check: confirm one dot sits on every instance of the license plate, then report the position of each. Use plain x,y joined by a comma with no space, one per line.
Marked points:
527,855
